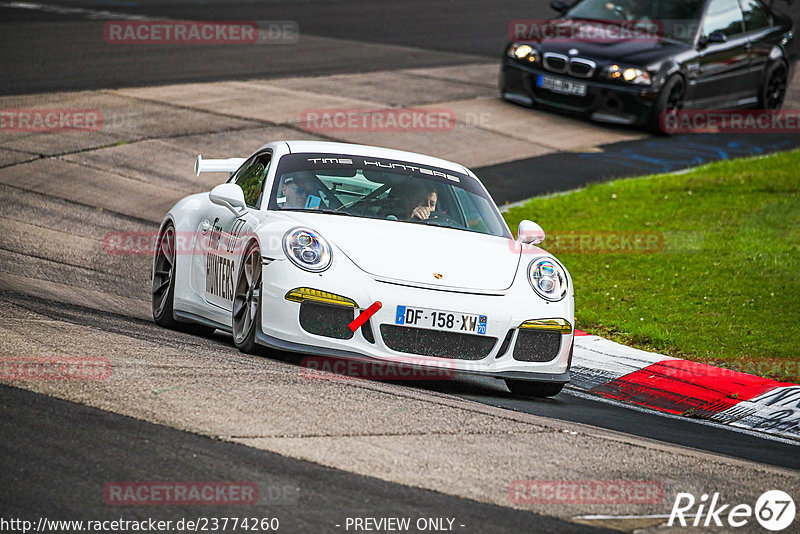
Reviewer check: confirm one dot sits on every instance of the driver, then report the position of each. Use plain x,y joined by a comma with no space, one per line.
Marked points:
298,193
628,9
424,204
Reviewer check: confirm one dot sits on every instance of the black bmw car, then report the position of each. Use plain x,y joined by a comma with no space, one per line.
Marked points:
633,61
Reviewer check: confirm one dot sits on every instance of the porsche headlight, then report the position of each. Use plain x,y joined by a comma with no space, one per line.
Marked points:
307,249
523,51
548,279
629,74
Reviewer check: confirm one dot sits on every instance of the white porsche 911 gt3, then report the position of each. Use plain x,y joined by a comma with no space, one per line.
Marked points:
353,251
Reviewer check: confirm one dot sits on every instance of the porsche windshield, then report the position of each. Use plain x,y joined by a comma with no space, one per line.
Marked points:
378,188
674,19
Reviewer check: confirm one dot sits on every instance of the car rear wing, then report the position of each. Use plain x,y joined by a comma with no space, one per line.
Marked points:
217,165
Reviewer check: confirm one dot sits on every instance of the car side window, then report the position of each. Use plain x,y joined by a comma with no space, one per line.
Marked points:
756,16
250,177
724,16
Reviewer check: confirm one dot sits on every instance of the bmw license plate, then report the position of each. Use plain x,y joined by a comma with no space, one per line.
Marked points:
466,323
559,85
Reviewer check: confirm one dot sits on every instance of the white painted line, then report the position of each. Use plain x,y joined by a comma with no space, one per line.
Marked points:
654,516
92,14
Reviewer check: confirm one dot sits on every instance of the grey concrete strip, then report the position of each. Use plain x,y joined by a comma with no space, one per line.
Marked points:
463,144
156,162
122,119
548,129
479,74
393,88
83,185
12,157
169,162
240,143
252,100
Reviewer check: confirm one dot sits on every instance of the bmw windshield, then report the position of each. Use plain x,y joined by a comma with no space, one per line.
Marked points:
674,19
378,188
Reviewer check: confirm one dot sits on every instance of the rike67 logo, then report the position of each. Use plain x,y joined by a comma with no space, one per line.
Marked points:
774,510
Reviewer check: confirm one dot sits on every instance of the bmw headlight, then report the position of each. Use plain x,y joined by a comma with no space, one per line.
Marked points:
523,51
548,279
307,249
629,74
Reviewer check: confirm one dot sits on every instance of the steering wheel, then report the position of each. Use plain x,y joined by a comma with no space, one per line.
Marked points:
439,218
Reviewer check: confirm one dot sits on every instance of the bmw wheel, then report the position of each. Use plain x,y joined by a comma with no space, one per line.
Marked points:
669,103
773,91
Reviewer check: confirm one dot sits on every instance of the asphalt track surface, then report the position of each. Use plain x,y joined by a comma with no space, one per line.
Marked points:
97,447
71,450
43,50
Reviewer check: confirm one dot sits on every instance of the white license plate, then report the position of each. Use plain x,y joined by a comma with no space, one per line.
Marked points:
466,323
559,85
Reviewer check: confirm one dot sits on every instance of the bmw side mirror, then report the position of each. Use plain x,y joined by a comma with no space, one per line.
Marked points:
715,37
530,232
229,195
559,6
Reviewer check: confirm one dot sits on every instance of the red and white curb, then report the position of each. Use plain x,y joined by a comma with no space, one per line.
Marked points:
682,387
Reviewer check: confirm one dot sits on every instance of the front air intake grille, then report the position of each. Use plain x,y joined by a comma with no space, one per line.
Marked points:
506,343
434,343
555,62
537,346
581,68
366,331
325,320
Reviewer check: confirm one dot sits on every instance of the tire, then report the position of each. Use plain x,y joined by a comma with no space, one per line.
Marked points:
670,101
773,91
246,313
163,290
540,390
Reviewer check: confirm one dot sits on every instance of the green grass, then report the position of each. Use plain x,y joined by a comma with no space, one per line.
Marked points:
725,287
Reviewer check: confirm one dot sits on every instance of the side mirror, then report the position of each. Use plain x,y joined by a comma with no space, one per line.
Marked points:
229,195
559,6
530,232
715,37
